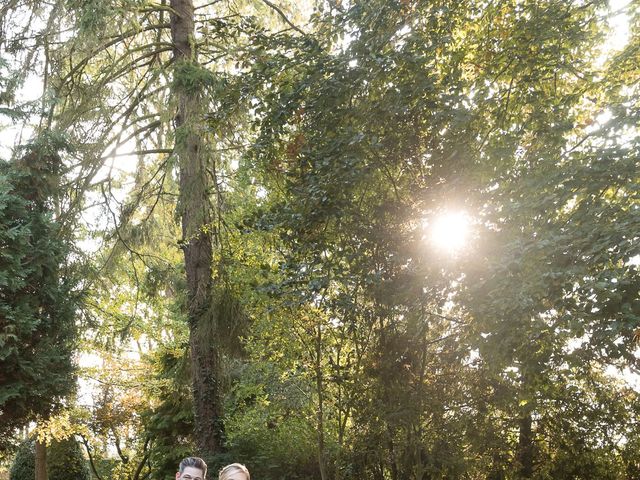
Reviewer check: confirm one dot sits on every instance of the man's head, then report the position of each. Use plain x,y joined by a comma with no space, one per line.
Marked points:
192,468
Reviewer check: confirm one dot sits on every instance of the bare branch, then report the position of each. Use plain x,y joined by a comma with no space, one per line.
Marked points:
91,461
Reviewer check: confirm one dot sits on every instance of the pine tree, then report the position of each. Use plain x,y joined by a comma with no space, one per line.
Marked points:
37,304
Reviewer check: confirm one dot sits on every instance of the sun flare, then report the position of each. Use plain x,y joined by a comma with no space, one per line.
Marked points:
450,231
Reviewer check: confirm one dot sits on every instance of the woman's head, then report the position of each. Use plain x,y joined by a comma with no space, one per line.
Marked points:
235,471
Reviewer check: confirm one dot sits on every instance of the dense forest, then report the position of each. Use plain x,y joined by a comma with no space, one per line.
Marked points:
332,239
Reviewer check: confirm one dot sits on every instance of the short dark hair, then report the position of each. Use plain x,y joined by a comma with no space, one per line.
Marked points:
194,462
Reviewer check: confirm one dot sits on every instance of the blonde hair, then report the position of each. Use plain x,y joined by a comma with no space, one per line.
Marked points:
225,472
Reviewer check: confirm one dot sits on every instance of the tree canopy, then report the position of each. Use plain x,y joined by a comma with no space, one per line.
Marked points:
251,189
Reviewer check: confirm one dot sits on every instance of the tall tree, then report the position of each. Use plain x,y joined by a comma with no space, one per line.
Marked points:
37,301
195,211
115,80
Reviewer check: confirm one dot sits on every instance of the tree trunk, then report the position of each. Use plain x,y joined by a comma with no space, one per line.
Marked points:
195,211
525,446
41,461
322,462
525,453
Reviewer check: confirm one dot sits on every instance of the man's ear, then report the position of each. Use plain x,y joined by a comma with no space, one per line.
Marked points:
177,475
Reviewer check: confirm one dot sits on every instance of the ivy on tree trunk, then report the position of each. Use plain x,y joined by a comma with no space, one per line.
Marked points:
196,219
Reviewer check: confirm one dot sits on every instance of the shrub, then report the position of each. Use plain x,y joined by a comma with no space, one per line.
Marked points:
65,459
24,465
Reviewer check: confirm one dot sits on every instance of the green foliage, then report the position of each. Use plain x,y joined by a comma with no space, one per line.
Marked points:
267,424
93,17
37,329
65,459
9,82
190,77
354,349
423,109
170,421
24,463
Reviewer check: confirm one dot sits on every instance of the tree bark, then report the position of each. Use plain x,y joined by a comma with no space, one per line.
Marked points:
525,446
196,216
41,461
322,463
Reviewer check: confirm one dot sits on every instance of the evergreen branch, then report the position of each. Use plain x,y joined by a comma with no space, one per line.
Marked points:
139,153
146,128
284,17
96,164
135,63
114,41
121,239
158,7
206,5
141,118
129,111
159,194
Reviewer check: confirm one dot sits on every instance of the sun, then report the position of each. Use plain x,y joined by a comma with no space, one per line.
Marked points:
449,231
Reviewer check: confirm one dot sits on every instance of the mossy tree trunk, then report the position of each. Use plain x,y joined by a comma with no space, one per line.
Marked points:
196,216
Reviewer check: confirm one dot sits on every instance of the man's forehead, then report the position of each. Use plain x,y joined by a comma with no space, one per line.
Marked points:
193,471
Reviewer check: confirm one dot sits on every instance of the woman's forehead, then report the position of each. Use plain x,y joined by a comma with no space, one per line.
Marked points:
236,474
233,473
